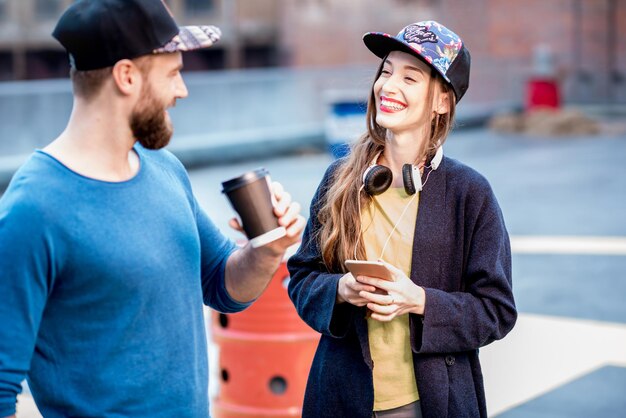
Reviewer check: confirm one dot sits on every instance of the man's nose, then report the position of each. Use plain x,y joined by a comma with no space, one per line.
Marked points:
181,89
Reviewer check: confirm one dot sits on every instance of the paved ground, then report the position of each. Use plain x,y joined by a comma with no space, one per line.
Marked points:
567,355
563,200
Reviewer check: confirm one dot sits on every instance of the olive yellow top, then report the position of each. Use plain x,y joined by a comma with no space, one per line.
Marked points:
394,376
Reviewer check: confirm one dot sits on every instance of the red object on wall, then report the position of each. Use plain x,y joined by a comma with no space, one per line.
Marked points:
542,92
265,354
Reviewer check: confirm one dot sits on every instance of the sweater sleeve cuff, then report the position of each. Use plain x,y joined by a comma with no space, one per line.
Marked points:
7,406
226,303
342,317
231,305
10,387
342,314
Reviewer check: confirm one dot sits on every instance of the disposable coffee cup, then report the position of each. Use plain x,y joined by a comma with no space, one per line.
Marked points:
251,197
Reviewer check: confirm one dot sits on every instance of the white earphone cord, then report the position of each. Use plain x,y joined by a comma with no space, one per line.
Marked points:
358,237
431,169
394,227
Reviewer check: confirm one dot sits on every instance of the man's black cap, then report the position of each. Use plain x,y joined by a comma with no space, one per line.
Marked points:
99,33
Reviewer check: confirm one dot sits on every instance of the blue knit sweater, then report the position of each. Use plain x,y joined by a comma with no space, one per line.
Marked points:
102,286
461,257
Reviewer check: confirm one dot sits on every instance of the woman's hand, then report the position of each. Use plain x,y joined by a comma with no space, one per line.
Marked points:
399,296
348,290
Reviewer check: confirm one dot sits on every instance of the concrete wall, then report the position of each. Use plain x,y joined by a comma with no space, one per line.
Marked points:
229,115
33,113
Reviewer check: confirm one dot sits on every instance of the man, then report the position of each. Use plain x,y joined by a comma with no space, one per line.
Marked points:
105,255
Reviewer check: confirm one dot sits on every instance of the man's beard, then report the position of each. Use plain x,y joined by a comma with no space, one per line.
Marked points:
148,122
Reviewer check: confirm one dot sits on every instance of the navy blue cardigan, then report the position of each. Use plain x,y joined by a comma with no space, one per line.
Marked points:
461,257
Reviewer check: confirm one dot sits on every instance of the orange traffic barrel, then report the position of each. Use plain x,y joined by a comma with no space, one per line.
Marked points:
264,356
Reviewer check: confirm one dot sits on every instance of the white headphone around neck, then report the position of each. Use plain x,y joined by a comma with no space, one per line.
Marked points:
377,178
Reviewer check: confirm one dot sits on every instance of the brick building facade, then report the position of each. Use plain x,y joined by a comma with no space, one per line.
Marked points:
587,38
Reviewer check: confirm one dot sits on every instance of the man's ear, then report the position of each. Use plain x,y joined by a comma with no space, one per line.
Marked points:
127,77
443,103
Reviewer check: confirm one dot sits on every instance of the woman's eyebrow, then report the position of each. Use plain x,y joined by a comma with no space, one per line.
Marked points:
406,67
410,67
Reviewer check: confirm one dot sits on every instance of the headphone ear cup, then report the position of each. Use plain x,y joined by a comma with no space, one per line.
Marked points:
407,179
377,179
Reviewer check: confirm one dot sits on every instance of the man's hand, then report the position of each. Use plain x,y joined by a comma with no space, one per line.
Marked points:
249,270
288,214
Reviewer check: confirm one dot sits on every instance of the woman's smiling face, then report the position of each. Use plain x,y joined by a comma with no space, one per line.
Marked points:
401,91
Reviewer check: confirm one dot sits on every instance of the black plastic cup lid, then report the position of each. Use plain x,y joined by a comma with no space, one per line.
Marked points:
245,178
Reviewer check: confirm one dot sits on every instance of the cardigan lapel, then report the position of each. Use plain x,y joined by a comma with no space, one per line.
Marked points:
430,226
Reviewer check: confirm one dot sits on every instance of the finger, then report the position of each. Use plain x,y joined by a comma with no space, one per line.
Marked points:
290,214
375,281
350,295
356,287
382,309
379,299
234,223
358,303
296,228
360,287
282,204
381,291
277,190
350,281
382,318
277,193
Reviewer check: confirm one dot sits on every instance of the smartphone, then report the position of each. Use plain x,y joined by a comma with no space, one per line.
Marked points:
368,268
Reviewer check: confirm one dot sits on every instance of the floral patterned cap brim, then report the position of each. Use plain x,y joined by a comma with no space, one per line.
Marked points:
191,38
433,43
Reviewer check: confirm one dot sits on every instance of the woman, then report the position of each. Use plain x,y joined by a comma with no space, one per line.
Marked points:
406,347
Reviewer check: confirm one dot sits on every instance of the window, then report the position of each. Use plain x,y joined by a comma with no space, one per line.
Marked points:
205,59
260,56
42,63
6,64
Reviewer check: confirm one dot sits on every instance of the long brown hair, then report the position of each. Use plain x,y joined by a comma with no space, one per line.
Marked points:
339,236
